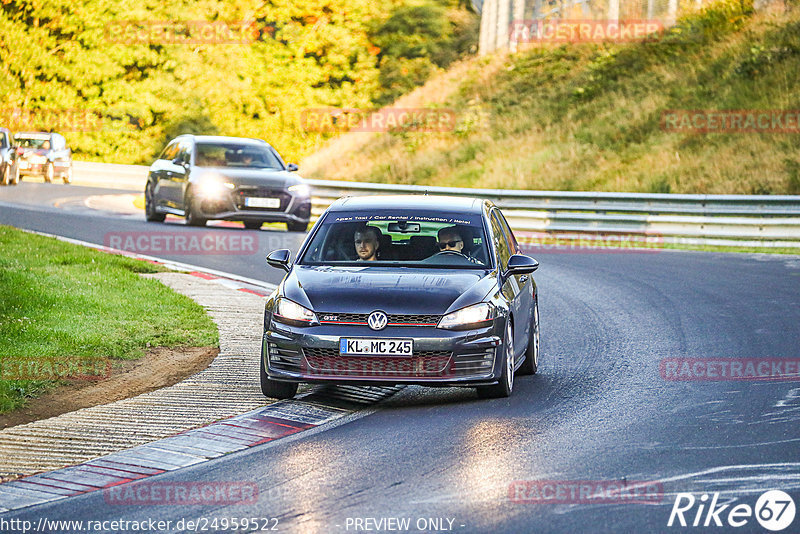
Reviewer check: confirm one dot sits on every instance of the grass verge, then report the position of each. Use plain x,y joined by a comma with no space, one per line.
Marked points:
65,303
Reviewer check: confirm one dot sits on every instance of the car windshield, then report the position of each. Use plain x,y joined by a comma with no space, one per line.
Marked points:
399,237
235,155
29,142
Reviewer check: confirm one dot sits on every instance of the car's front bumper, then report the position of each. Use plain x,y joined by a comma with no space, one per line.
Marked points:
231,206
440,357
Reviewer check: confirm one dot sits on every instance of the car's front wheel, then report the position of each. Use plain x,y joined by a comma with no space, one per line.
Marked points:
68,175
192,218
150,213
531,363
274,388
5,179
49,172
506,383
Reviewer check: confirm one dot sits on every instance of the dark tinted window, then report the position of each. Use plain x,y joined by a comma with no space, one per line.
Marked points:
512,241
33,141
405,237
500,243
3,140
170,152
185,151
236,155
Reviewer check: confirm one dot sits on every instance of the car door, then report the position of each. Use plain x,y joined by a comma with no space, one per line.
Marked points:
525,282
512,290
60,154
167,188
183,167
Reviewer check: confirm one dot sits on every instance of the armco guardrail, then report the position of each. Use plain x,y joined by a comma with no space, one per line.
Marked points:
754,220
758,219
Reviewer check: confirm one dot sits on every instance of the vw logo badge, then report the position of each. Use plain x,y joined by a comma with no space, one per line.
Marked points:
377,320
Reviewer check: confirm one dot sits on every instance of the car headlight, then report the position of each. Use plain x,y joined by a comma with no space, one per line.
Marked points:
473,316
213,187
288,311
301,190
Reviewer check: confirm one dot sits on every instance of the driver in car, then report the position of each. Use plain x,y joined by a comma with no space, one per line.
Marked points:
450,240
367,241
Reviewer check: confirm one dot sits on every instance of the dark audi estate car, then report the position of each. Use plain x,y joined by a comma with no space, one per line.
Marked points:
229,178
403,290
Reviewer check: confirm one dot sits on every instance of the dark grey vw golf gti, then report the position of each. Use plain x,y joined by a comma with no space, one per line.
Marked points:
403,290
229,178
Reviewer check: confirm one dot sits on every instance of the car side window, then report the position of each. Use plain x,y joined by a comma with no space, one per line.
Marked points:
170,152
185,152
3,140
500,244
512,241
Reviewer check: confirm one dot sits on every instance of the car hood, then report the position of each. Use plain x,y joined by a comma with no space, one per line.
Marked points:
254,177
390,289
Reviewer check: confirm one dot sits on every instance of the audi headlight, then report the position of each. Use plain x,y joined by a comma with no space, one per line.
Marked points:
213,186
288,311
473,316
301,190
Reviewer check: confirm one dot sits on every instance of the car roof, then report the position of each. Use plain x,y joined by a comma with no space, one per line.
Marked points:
32,135
427,202
225,139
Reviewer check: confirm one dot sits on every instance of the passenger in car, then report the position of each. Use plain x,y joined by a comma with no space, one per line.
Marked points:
367,242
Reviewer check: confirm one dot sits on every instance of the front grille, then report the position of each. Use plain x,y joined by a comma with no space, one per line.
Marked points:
284,359
477,363
394,319
323,361
261,192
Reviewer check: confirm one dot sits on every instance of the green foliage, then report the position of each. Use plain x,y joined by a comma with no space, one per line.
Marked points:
141,85
416,40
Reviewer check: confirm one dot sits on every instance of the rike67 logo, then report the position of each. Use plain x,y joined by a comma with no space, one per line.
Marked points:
774,510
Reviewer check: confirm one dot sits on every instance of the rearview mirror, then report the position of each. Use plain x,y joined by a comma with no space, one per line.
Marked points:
291,167
280,259
404,227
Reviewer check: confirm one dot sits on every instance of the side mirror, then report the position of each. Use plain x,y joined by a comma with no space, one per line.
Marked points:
279,259
291,167
178,161
520,264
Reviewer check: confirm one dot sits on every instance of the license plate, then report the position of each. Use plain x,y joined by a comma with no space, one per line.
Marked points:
256,202
375,347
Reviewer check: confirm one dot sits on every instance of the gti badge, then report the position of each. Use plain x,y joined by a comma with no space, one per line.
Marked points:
377,320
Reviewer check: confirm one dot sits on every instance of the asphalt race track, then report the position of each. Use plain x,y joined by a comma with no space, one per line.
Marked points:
602,409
